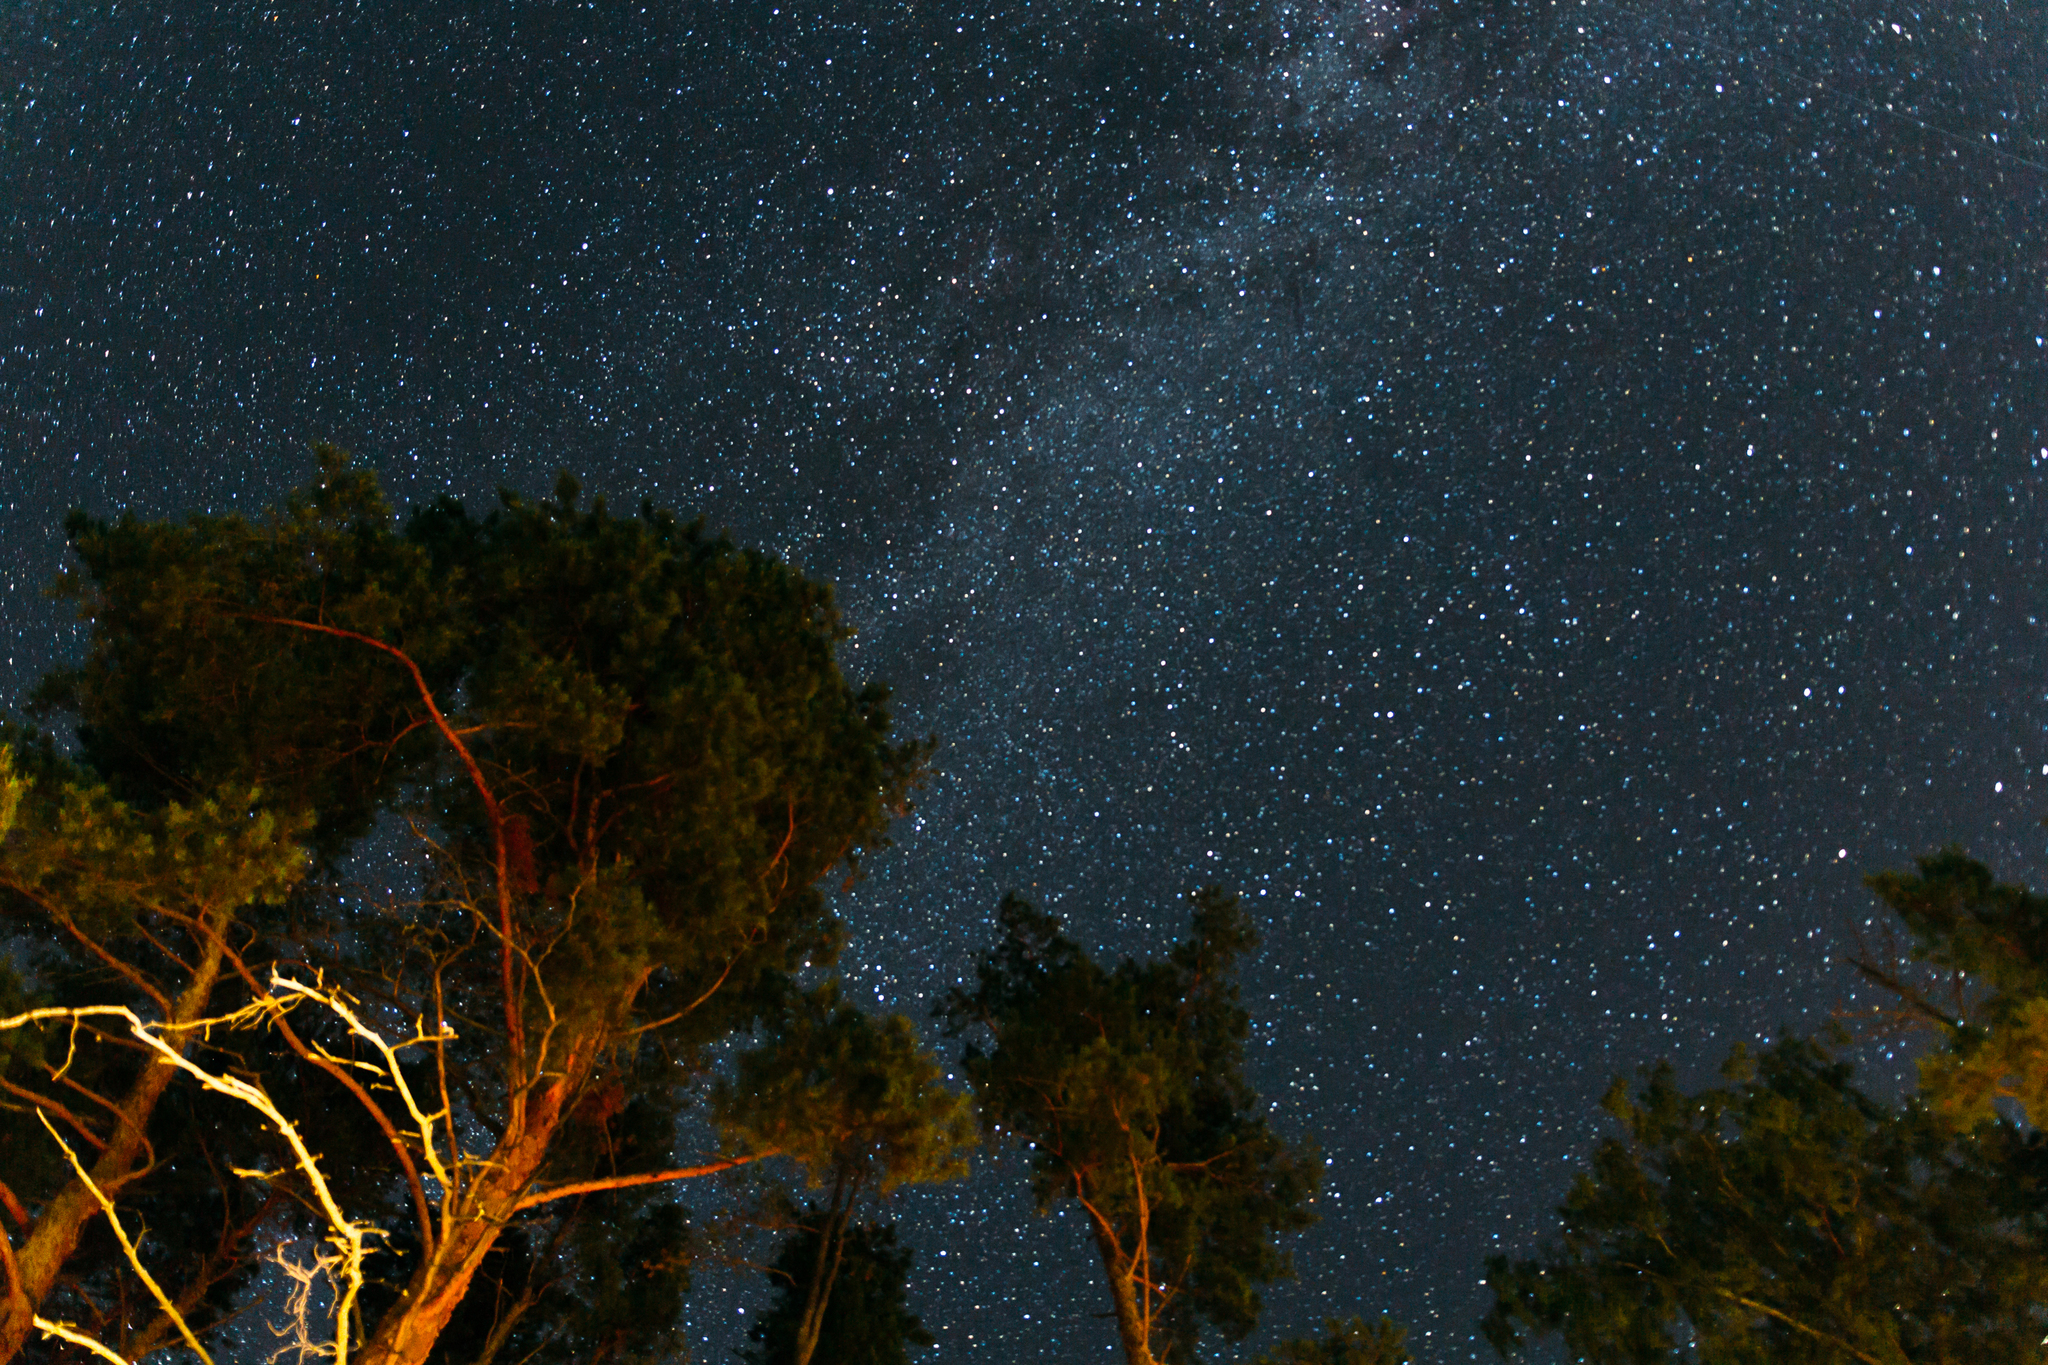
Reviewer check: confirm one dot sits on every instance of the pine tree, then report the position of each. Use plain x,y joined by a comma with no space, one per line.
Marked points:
866,1320
1785,1216
856,1103
616,757
1126,1085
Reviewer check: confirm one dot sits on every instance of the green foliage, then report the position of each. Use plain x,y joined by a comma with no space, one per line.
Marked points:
1353,1342
1127,1085
85,861
95,892
684,760
190,687
631,760
858,1106
1786,1217
866,1322
848,1097
1966,924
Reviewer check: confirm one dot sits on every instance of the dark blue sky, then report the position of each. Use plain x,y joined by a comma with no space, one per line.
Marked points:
1539,496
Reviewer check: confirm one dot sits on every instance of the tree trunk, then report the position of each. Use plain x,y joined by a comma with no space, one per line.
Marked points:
1123,1296
54,1235
407,1331
831,1244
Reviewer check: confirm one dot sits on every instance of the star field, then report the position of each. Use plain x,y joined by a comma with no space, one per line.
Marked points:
1541,497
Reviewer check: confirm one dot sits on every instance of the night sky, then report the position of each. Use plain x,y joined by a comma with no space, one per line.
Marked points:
1539,496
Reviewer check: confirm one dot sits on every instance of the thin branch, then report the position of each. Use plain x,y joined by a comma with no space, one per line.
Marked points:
346,1234
1915,1002
13,1207
67,1332
44,1102
1794,1323
15,1292
351,1084
333,1001
222,1262
121,1233
160,945
787,839
514,1029
1141,1255
450,1191
132,975
691,1008
1798,1326
622,1182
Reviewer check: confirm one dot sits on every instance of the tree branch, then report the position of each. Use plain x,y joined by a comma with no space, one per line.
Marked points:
13,1207
350,1083
515,1031
622,1182
121,1233
1915,1001
98,1143
64,921
15,1292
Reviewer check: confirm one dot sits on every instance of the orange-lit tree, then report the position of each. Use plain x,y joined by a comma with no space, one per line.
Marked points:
594,767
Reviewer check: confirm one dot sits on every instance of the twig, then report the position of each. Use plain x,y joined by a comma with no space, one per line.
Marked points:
352,1085
71,1334
514,1028
134,1257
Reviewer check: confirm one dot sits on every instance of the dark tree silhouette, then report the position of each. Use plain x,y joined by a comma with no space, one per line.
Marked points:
865,1321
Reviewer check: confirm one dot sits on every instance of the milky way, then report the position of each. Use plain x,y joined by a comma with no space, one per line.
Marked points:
1539,497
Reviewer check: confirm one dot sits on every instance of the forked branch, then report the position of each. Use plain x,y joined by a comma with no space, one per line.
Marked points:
515,1030
345,1235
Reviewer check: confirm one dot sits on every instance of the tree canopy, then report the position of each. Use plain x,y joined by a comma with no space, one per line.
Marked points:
1788,1216
1977,975
595,767
1127,1085
857,1104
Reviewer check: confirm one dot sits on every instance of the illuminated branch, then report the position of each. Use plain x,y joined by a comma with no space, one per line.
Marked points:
346,1235
622,1182
354,1087
65,1331
333,1001
128,1247
515,1030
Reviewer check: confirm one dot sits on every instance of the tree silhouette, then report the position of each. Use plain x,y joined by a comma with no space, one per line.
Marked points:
1127,1087
865,1322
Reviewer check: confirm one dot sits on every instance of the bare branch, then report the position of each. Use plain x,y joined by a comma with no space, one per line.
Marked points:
65,1331
333,1000
134,1258
1914,1000
514,1028
622,1182
13,1206
98,1143
352,1085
